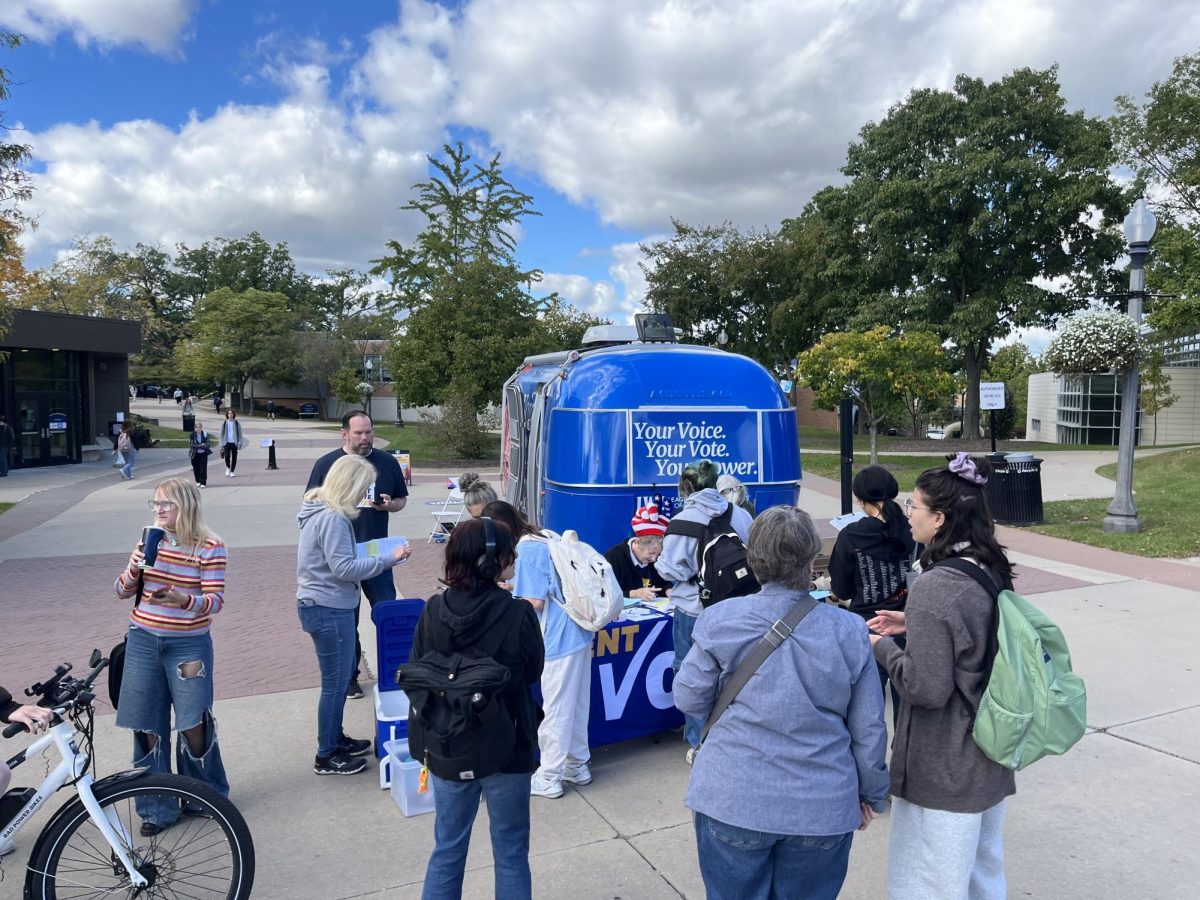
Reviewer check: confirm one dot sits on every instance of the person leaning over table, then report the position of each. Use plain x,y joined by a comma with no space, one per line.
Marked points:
476,492
633,559
796,763
947,829
679,563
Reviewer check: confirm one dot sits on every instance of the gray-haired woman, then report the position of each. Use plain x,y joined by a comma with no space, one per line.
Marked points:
792,768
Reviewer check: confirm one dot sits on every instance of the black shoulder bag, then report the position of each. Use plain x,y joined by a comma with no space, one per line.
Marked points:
116,657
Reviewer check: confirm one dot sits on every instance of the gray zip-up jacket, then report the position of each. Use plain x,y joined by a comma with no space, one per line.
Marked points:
327,571
678,560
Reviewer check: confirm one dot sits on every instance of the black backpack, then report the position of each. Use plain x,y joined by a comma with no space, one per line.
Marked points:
458,724
721,565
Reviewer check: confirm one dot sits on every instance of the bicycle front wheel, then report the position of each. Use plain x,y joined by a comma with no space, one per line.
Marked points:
207,854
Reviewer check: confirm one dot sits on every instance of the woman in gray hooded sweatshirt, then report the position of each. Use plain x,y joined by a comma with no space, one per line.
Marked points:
679,563
327,577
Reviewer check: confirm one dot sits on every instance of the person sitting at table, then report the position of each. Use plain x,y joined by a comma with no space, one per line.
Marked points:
567,674
476,492
633,559
796,763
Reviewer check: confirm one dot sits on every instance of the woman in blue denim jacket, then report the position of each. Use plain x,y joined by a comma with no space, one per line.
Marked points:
796,763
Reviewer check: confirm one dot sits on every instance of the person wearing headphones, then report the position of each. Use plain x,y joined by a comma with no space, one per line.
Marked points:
474,615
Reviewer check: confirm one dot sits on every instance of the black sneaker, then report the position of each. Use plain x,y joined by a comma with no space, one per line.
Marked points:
353,747
338,764
354,691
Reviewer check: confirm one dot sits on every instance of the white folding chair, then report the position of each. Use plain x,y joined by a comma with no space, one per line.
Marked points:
449,513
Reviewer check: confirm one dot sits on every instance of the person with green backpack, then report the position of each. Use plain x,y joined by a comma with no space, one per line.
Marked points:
948,796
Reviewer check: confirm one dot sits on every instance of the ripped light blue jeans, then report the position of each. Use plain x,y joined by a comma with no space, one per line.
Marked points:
161,673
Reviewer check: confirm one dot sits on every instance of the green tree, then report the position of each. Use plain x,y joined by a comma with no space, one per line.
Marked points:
855,364
964,204
917,371
16,186
1013,364
91,279
564,325
241,336
471,318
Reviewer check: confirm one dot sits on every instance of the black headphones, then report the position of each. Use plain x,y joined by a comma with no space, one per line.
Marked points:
487,567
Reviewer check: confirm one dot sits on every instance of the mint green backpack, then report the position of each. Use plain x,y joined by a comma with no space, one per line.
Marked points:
1034,705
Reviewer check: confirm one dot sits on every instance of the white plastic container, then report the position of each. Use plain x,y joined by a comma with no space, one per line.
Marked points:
406,775
391,724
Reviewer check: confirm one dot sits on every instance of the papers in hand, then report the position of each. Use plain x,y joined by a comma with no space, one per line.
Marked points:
379,547
842,521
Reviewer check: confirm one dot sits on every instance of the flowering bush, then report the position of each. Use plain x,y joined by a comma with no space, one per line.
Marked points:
364,388
1094,341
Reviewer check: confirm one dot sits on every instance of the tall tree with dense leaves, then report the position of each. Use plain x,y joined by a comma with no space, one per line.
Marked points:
471,318
15,184
239,336
964,205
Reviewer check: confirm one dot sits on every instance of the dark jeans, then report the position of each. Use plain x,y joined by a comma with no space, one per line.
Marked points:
4,454
682,626
381,587
455,806
231,457
741,864
332,633
200,468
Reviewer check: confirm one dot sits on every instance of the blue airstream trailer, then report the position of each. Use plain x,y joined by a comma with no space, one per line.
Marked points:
591,434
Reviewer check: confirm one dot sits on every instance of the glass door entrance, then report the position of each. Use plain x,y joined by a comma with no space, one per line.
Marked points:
45,426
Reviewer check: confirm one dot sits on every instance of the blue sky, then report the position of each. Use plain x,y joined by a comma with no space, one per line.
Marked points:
162,121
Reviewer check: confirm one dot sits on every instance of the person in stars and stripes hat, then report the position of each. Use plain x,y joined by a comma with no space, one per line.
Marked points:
633,559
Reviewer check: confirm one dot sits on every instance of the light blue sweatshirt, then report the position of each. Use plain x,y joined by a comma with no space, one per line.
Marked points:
678,560
327,571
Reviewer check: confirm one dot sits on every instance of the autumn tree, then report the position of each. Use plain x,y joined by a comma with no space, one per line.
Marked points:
964,206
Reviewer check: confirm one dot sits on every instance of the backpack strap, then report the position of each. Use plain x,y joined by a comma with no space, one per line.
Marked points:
767,644
988,583
700,531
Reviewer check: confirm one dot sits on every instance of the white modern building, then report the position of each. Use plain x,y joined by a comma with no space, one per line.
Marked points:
1086,409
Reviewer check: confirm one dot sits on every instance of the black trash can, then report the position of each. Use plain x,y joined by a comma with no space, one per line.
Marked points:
1015,491
189,423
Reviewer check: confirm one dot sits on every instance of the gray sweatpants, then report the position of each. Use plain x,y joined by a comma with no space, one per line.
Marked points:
938,855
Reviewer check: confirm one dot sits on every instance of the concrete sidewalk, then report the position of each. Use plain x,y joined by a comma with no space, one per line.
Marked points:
1110,819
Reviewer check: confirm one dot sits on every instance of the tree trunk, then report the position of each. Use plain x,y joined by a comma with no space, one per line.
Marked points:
973,363
874,450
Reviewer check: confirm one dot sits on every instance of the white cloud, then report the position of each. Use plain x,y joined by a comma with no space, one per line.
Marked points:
616,298
157,25
305,171
720,109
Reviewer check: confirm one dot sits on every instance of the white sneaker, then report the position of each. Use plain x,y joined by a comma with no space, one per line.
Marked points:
541,787
690,756
203,486
232,474
579,774
227,472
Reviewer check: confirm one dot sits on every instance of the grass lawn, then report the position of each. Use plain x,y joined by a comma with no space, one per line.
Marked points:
904,468
813,438
5,507
1166,490
420,441
169,434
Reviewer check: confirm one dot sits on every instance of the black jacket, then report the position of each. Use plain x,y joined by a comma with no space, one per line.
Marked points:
630,576
8,706
868,566
456,620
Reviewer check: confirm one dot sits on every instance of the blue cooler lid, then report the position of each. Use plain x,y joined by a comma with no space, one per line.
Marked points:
395,627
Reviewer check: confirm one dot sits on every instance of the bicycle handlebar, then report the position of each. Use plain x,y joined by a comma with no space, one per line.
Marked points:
58,693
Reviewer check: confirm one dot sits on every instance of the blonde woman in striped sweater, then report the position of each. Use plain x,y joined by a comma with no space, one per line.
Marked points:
168,650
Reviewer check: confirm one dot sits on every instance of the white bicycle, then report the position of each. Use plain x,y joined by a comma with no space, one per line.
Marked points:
91,847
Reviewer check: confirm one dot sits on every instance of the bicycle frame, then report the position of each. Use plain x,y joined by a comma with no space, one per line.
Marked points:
73,766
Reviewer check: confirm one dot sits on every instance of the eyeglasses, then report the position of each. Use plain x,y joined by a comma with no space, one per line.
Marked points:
909,506
160,504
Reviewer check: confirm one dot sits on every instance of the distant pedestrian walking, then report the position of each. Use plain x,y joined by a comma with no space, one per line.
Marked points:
178,396
199,451
127,450
7,439
271,410
217,401
231,441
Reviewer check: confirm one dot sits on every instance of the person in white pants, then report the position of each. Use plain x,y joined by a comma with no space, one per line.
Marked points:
567,673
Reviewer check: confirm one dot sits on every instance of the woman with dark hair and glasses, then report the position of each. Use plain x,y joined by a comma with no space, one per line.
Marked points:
948,811
469,615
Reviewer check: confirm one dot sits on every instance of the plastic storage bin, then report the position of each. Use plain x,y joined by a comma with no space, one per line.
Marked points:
406,775
391,724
